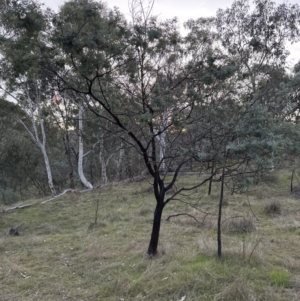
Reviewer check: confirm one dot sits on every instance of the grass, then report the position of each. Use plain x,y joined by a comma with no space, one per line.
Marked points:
62,254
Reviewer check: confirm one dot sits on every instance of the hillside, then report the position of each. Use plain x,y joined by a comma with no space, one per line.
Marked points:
62,254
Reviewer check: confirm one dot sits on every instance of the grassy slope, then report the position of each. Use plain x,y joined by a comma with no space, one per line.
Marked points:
60,255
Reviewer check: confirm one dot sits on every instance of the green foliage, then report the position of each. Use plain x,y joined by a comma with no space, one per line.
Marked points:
8,195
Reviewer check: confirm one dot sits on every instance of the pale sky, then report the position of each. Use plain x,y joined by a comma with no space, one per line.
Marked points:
184,10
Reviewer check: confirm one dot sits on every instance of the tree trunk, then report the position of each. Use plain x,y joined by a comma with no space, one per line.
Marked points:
220,215
45,155
161,138
152,249
48,169
82,177
102,161
68,153
120,162
211,178
162,148
292,178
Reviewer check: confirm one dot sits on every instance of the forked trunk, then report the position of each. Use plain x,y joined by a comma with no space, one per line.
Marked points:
152,249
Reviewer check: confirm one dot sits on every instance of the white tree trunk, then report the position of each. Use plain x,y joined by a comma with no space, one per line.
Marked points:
161,138
162,148
36,138
82,177
48,169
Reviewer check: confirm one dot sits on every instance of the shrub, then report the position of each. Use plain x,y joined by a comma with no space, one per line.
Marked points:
9,196
273,208
241,225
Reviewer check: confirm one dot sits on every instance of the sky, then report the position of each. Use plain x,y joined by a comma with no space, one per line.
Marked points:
183,10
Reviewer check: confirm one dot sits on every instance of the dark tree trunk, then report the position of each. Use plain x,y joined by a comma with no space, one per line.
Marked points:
220,215
211,179
152,249
68,153
292,180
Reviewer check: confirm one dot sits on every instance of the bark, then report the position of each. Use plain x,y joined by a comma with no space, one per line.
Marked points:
159,192
161,138
220,215
120,161
211,179
102,161
41,142
292,178
82,177
152,249
68,154
48,169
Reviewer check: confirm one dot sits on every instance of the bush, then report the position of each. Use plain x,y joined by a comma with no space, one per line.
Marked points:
273,208
9,196
241,225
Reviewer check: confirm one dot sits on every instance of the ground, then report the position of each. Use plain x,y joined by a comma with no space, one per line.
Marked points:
63,254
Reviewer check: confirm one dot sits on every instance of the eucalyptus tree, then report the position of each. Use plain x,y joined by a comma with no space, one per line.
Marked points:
136,78
63,113
257,40
23,29
241,88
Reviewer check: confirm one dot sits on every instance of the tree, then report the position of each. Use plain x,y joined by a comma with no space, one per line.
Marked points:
256,41
138,81
22,25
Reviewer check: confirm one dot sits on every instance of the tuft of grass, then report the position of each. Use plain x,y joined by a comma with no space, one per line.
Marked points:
145,211
279,278
273,208
241,225
197,264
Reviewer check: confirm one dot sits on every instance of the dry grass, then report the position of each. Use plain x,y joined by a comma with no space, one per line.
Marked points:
60,256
